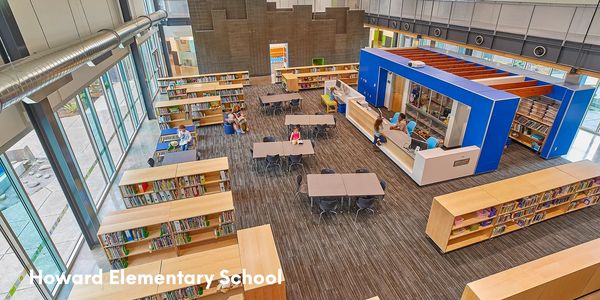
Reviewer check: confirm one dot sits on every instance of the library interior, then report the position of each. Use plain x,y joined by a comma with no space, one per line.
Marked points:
300,149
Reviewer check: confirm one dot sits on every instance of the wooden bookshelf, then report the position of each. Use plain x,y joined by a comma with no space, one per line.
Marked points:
174,182
533,121
237,77
313,69
473,215
252,249
230,94
568,274
303,81
138,235
201,111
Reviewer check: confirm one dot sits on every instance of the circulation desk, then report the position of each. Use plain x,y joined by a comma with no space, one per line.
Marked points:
425,166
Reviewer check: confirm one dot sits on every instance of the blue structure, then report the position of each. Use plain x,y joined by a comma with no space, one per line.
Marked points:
492,110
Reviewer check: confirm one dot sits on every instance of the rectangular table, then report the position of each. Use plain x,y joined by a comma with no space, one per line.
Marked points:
343,185
309,120
280,98
261,150
362,184
325,185
171,158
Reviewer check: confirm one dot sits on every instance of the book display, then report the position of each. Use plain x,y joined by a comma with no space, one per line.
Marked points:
162,230
313,69
303,81
533,121
230,94
171,83
173,182
201,111
430,110
473,215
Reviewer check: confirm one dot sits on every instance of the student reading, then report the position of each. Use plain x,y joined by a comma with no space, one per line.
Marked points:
185,137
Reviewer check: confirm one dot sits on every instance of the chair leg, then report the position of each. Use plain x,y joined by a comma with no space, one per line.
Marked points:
320,217
356,216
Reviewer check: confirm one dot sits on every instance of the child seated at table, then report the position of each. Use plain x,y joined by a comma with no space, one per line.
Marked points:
295,136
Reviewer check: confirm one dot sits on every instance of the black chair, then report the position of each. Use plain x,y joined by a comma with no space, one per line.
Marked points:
301,188
268,139
264,107
151,162
327,171
272,161
252,160
198,155
295,160
299,113
365,204
383,186
362,170
319,113
320,129
294,104
277,106
327,206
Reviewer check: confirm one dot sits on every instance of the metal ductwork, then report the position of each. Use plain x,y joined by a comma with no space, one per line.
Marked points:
29,75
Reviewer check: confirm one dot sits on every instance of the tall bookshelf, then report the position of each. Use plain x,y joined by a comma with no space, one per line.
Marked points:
230,94
201,111
303,81
174,182
477,214
237,77
313,69
533,120
139,235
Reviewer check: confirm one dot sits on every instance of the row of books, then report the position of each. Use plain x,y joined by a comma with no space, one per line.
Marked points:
190,224
191,292
116,252
171,110
521,123
324,69
145,199
324,78
227,216
161,243
122,237
119,263
204,106
225,229
193,191
232,99
144,187
185,181
552,203
164,126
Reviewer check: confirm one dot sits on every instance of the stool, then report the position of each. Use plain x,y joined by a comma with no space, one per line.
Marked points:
228,128
330,105
341,107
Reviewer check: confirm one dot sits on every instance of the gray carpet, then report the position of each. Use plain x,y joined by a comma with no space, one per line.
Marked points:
386,254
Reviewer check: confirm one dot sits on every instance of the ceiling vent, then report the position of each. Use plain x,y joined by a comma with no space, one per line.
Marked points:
406,26
437,32
479,40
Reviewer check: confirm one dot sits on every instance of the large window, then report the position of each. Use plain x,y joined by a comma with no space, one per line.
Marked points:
24,222
73,126
102,112
134,88
122,99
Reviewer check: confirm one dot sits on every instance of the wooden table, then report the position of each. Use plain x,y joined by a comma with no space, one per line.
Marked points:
362,184
325,185
309,120
261,150
280,98
171,158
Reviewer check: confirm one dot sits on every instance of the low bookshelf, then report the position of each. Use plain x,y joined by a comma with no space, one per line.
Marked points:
139,235
303,81
568,274
477,214
200,111
237,77
533,121
251,249
149,186
230,94
313,69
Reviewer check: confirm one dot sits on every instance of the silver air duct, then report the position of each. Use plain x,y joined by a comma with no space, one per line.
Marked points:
26,76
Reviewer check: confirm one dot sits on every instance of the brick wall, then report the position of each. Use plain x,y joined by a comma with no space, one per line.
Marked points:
233,35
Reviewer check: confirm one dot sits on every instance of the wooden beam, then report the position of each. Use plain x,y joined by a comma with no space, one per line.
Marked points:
531,91
476,72
514,85
421,58
454,65
471,77
447,63
452,69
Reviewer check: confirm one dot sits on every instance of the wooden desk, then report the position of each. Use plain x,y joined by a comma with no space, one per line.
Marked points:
362,184
171,158
325,185
258,255
261,150
306,148
280,98
567,274
309,120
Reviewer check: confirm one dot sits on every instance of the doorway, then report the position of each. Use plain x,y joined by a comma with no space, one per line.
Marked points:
278,57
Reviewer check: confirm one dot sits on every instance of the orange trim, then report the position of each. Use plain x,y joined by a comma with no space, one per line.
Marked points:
531,91
472,77
476,72
514,85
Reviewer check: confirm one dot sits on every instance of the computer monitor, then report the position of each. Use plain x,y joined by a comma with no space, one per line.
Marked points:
338,84
416,142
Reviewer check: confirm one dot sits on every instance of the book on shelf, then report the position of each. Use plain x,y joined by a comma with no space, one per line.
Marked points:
119,263
227,217
498,230
161,243
116,252
190,292
122,237
182,238
224,230
145,199
192,191
508,207
538,217
188,224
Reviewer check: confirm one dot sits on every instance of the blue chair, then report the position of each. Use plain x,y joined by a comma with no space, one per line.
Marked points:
432,142
410,127
394,119
228,128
